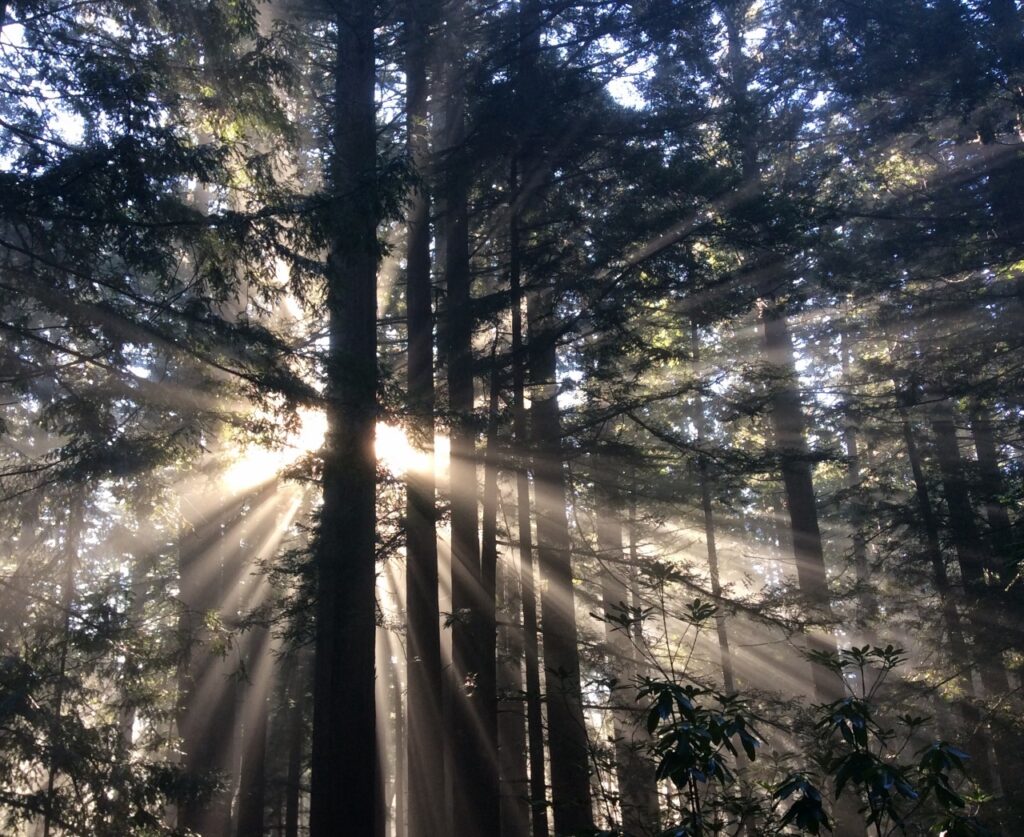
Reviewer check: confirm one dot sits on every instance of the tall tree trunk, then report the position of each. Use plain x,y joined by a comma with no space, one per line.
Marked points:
867,606
297,686
977,741
791,446
638,793
72,543
707,510
252,777
425,732
987,633
475,792
1000,531
567,734
789,430
345,760
206,710
512,752
531,653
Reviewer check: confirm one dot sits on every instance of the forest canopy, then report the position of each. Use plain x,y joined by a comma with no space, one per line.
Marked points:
525,418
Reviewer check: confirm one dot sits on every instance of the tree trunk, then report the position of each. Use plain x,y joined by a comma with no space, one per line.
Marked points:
867,606
977,741
789,430
638,794
297,686
425,736
206,707
345,760
252,777
987,633
1000,531
725,656
791,446
531,654
567,735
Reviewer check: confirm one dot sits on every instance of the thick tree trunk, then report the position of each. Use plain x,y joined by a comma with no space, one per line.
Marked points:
425,737
345,797
567,734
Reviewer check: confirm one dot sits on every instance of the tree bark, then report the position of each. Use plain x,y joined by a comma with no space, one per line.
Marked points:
707,510
531,652
788,425
567,734
474,771
425,744
345,759
638,797
1000,531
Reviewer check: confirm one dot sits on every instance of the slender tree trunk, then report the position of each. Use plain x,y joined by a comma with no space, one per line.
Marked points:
637,789
977,741
252,778
788,425
72,543
512,752
425,737
297,686
988,634
487,686
725,656
206,715
531,654
474,772
999,529
867,606
789,430
567,734
345,759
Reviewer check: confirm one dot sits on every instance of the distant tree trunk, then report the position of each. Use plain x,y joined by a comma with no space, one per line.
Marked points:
977,741
252,777
474,770
345,759
567,735
867,605
725,656
206,715
962,528
789,430
638,793
989,638
512,752
425,740
788,426
992,487
297,685
486,684
531,654
71,546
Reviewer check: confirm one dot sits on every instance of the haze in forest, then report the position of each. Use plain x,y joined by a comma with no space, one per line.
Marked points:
535,418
